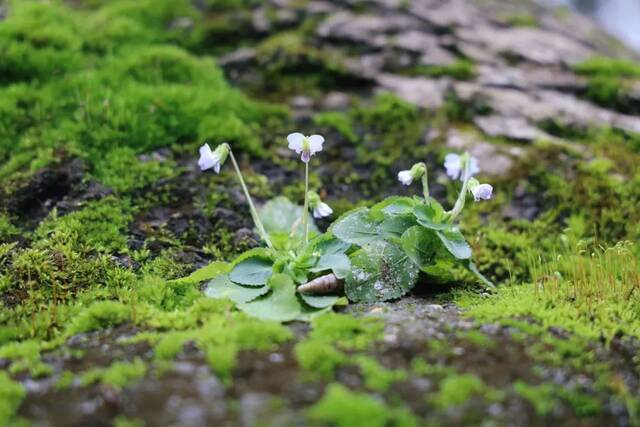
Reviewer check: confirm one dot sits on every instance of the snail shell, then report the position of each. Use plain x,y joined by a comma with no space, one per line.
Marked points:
326,284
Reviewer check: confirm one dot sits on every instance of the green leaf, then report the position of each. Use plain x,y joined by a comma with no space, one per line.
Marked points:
356,227
395,205
421,245
330,245
319,301
472,268
454,241
431,215
281,304
252,271
280,214
339,264
396,225
222,287
380,271
207,272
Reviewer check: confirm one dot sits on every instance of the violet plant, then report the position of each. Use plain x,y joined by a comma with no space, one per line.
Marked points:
264,282
402,237
376,253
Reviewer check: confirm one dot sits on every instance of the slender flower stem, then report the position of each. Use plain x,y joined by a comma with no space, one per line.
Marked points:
457,208
425,183
305,210
252,208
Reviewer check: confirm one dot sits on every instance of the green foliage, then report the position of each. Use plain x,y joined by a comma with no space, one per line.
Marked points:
344,408
99,225
461,69
608,80
100,315
376,376
118,375
542,397
399,237
11,395
457,389
338,121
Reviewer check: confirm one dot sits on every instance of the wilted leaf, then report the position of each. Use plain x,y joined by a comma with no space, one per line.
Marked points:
222,287
380,271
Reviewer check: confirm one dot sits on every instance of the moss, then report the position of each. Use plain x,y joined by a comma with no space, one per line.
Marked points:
477,338
377,377
99,225
456,389
608,80
11,396
347,332
65,381
118,375
319,359
522,20
420,366
343,408
341,122
7,229
461,69
100,315
542,397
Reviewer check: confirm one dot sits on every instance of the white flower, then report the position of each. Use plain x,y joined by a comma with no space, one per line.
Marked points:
405,177
482,192
307,146
453,164
322,210
209,159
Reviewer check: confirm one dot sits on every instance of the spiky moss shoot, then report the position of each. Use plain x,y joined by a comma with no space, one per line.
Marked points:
11,396
344,408
457,389
118,375
377,377
25,357
542,397
7,229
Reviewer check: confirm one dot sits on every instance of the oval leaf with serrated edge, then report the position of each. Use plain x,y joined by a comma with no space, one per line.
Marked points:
421,245
252,271
356,227
339,264
281,304
380,271
222,287
395,205
454,241
207,272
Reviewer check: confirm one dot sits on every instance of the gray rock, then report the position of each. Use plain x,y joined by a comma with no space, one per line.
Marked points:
420,91
532,44
516,128
493,162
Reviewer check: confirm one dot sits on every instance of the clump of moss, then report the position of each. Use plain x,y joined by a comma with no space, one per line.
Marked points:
377,377
11,396
608,81
459,388
542,397
118,375
344,408
461,69
100,315
332,337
